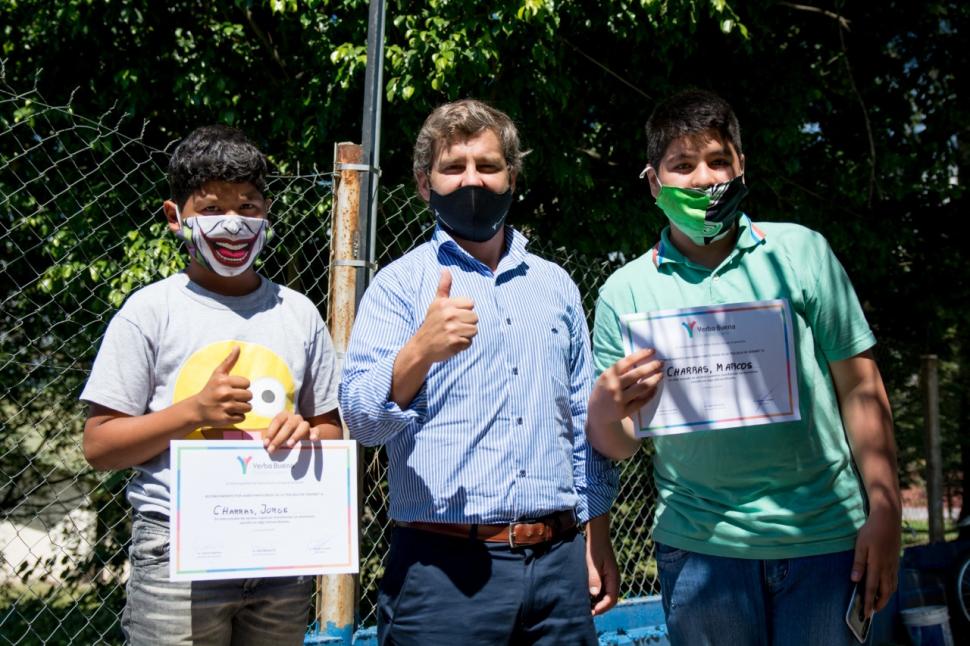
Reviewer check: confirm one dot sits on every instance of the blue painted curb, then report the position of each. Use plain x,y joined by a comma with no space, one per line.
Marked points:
635,622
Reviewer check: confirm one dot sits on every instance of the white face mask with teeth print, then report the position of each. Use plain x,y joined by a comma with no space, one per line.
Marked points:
226,244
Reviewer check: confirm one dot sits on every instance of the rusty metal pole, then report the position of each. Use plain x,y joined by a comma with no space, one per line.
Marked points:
336,593
345,244
929,380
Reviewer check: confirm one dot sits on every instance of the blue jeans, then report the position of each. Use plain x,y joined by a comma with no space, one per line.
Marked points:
459,592
778,602
233,612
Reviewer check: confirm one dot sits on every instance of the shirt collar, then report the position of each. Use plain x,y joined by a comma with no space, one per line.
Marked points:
749,236
512,256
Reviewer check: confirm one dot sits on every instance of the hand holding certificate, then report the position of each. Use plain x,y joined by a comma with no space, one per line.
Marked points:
725,366
238,511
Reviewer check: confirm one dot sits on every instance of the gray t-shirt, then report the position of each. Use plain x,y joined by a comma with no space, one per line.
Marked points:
165,341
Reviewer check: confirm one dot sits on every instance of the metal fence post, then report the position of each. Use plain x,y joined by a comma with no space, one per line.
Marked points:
336,598
371,138
929,380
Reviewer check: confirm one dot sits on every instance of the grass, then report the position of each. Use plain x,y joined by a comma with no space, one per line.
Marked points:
42,615
917,532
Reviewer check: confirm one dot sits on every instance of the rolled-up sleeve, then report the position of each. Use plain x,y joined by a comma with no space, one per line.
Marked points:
385,321
595,477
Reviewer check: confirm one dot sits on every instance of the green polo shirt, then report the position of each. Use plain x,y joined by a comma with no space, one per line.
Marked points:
779,490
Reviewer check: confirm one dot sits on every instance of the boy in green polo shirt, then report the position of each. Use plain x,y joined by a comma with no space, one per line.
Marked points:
761,532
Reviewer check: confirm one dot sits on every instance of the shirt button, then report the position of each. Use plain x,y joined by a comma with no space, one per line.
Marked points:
717,278
515,371
509,321
518,420
521,473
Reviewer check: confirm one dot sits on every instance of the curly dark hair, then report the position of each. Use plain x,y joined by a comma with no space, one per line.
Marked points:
217,152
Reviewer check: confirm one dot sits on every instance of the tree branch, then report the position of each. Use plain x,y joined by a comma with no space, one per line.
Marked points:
843,21
267,43
607,70
818,196
865,118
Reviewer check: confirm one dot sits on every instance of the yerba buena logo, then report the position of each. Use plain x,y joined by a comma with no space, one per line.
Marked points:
689,326
244,462
694,329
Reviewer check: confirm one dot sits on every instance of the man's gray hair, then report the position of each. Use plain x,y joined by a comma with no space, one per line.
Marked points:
461,120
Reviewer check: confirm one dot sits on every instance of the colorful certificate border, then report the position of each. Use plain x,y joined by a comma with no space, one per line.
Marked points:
779,305
347,447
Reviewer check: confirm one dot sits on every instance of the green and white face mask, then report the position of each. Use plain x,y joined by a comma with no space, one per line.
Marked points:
703,215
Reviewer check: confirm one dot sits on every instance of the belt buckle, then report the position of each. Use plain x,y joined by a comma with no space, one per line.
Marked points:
512,525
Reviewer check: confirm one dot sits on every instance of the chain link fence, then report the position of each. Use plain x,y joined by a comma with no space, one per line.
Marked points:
80,228
76,199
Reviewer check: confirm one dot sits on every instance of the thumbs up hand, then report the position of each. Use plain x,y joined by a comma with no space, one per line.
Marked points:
449,325
224,400
444,285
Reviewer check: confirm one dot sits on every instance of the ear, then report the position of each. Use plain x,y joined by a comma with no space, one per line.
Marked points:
269,205
512,176
424,185
653,180
741,163
169,208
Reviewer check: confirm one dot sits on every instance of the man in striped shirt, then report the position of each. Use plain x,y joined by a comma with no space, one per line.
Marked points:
470,361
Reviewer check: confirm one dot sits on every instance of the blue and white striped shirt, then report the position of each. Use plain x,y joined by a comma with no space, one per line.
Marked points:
497,432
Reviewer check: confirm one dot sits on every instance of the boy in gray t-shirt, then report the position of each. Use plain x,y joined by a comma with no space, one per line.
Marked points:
215,351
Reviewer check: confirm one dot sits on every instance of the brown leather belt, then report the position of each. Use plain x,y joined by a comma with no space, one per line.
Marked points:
516,534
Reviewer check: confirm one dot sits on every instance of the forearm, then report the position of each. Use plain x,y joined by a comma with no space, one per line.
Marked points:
365,390
410,370
869,426
614,440
868,422
598,530
603,573
620,391
120,442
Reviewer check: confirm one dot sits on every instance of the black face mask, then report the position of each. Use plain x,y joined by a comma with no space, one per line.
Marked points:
471,212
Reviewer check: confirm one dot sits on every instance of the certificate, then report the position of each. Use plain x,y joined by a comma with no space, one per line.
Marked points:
725,366
241,512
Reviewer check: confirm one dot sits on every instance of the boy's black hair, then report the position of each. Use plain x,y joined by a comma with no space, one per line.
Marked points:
217,152
690,112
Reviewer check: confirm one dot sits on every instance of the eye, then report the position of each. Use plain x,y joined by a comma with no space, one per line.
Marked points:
269,397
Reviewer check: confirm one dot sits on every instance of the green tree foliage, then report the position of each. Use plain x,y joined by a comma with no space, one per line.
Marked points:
850,114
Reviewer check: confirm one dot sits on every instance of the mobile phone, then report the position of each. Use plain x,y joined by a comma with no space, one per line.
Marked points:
855,617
